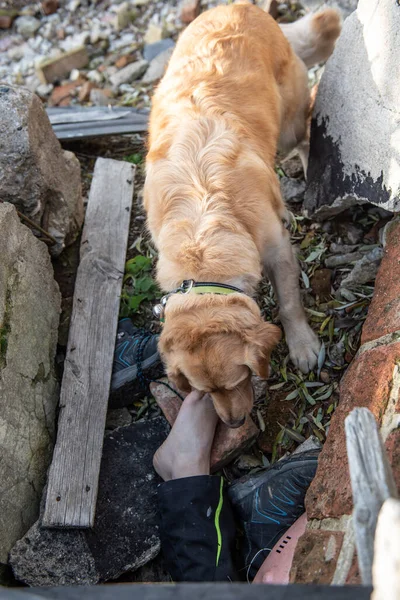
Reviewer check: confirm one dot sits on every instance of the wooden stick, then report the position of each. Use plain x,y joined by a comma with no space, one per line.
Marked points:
73,477
371,481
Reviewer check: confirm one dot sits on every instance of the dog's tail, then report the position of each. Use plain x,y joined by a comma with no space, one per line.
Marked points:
313,37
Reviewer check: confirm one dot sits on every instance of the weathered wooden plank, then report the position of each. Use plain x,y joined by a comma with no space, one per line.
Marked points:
371,481
84,122
194,591
386,567
73,476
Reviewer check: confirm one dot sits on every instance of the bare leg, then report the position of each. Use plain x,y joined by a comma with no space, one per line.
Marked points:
283,271
186,451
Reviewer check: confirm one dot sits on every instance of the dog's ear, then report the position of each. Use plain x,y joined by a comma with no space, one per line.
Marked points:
176,377
260,343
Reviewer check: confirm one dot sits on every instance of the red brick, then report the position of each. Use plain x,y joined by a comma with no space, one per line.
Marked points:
393,452
49,6
367,383
190,9
6,21
228,443
316,557
384,311
354,575
124,60
62,94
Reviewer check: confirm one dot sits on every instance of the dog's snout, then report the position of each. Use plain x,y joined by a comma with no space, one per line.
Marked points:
236,423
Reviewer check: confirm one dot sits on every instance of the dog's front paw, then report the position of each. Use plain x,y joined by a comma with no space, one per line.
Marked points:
304,348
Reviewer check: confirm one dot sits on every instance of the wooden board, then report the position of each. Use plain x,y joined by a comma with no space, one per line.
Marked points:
371,481
195,591
73,477
71,123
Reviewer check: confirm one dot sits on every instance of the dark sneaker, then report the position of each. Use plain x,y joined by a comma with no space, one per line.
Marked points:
268,503
136,363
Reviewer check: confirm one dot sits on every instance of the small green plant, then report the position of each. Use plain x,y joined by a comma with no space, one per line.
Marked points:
139,285
135,158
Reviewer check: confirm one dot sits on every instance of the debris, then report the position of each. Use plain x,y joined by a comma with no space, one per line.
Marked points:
190,9
49,6
122,61
129,73
62,94
342,259
152,50
118,417
27,26
57,68
7,18
157,67
125,533
321,283
364,270
292,190
153,34
84,92
102,97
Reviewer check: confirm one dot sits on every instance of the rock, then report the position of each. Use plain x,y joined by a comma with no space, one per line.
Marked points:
352,233
190,9
84,92
342,248
6,20
292,166
321,284
122,61
49,6
54,69
152,50
364,270
316,556
342,259
153,34
124,16
129,73
345,7
27,26
95,76
292,190
125,533
247,462
157,66
29,314
36,175
101,97
62,94
354,134
118,417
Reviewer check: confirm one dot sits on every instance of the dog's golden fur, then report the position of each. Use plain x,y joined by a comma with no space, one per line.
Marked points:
234,90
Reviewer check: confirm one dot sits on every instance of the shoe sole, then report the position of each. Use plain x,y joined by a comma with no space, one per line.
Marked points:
126,388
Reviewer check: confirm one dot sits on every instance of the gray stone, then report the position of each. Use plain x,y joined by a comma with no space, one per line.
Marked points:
29,315
158,66
27,26
129,73
345,7
355,145
342,259
364,270
118,417
342,248
292,190
125,534
36,175
152,50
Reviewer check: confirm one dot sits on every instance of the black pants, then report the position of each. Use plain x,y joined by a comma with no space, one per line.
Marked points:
197,529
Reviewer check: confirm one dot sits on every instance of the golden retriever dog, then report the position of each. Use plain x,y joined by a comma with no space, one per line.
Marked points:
234,91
